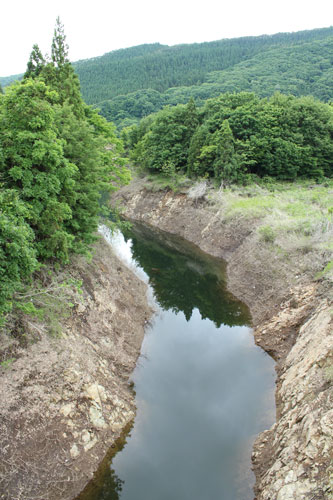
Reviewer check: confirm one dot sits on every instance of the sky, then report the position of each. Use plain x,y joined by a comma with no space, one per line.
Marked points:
99,26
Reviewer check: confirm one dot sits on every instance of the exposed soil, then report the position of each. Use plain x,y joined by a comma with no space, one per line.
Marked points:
292,319
65,400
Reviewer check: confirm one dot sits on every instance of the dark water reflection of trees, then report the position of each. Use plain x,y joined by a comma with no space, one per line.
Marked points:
184,278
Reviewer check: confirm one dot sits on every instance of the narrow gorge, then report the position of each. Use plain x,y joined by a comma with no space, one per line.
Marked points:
292,319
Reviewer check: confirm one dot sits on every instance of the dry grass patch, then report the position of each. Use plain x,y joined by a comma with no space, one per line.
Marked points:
294,221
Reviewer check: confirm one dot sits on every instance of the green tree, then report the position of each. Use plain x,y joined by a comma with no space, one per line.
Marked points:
226,163
17,253
35,64
60,75
35,166
59,47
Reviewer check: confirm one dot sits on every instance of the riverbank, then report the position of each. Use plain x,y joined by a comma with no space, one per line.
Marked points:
65,399
273,272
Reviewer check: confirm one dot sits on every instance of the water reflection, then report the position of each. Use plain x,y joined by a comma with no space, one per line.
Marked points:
184,278
203,389
106,485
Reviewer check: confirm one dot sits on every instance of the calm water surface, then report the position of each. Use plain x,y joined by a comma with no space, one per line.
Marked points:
203,389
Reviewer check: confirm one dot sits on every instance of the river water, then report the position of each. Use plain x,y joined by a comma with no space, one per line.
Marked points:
203,389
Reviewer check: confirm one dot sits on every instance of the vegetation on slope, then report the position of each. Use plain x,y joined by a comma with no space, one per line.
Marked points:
129,84
236,136
299,69
57,156
160,67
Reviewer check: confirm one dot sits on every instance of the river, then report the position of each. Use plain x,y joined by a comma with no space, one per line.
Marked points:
203,389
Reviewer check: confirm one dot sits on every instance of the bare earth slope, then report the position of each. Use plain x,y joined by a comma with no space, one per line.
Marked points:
292,319
65,400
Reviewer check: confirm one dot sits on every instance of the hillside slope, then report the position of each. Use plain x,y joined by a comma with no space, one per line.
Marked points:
131,83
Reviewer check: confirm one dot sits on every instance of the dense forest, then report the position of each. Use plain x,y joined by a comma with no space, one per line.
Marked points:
236,136
160,67
132,83
187,110
129,84
304,69
57,156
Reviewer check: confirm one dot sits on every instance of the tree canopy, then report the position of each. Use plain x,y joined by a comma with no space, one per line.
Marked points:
129,84
238,134
57,158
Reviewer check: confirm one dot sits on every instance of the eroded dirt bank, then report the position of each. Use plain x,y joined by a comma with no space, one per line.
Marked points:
65,400
292,319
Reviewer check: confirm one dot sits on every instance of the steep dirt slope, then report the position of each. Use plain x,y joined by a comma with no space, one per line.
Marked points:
65,400
292,319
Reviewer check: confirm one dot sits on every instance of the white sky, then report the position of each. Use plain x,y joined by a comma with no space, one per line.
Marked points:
99,26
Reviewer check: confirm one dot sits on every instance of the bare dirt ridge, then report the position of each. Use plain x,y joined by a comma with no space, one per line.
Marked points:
65,400
292,319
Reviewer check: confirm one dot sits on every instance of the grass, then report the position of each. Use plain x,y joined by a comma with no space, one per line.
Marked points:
175,182
294,219
7,363
41,307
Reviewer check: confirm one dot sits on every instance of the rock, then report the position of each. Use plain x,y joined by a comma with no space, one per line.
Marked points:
327,424
85,436
90,444
96,418
95,393
74,451
67,409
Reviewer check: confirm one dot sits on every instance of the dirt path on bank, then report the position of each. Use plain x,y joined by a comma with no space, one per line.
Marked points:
292,319
65,400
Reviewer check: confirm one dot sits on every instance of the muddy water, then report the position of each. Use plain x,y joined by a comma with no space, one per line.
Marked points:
203,389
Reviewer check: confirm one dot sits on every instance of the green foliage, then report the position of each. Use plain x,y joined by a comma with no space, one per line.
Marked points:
130,84
267,234
36,63
159,67
57,157
237,136
59,48
35,165
166,142
17,252
327,271
7,363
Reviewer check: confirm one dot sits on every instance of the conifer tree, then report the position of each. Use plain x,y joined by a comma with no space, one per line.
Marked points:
35,64
59,48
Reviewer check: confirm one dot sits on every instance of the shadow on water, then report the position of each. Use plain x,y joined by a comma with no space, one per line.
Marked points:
185,278
203,389
106,485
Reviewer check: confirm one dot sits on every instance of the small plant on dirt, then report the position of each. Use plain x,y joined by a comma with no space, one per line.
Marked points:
327,271
267,234
197,191
41,307
7,363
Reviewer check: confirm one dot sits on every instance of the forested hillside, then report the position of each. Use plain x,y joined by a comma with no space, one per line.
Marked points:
301,69
160,67
129,84
57,156
237,136
132,83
